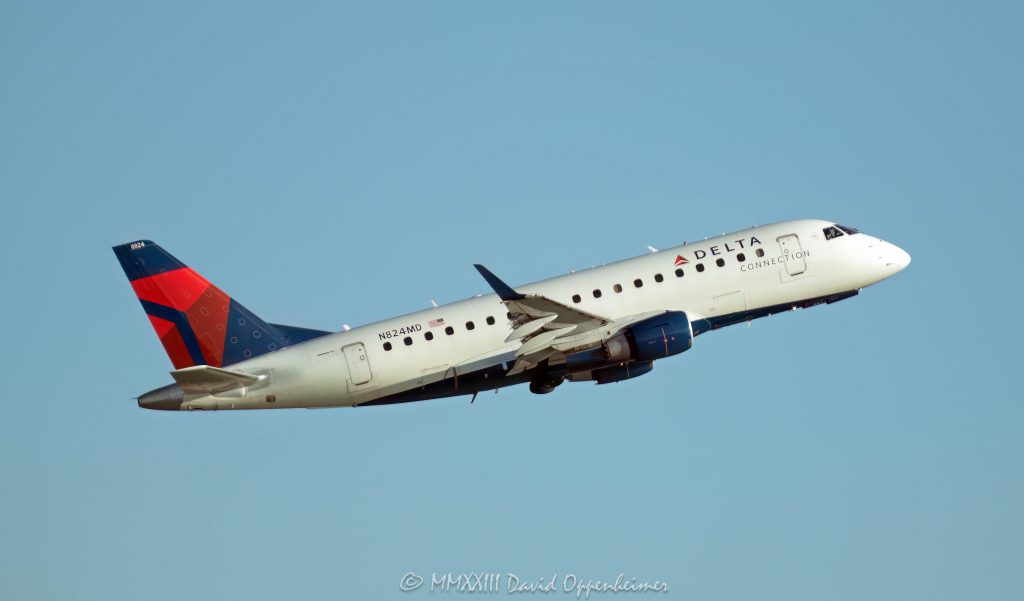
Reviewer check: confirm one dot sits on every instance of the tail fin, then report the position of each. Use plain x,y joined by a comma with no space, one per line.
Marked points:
197,323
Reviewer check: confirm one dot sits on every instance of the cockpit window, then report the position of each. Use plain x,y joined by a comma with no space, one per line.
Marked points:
832,232
848,230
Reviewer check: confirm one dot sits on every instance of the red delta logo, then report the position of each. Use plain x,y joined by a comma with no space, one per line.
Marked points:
681,260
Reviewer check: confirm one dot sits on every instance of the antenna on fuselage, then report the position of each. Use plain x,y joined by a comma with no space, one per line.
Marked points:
433,302
652,249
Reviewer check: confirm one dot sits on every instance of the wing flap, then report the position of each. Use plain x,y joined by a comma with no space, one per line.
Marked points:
530,327
541,323
542,341
536,306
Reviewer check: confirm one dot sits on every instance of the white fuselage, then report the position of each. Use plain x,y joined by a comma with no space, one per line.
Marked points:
766,268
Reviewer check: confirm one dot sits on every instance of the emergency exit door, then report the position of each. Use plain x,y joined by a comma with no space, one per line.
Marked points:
358,364
792,254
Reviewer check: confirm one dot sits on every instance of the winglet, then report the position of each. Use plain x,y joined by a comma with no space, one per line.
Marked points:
504,291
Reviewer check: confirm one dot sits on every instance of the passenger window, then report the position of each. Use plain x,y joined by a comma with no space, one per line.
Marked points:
679,272
490,320
407,340
429,335
387,346
832,232
720,262
700,267
658,278
617,287
576,298
449,330
597,293
509,315
638,283
741,257
759,252
469,325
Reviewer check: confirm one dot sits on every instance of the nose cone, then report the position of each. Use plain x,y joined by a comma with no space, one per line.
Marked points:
897,257
167,398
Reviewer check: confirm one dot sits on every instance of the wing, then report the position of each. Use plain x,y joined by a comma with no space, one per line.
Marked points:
547,327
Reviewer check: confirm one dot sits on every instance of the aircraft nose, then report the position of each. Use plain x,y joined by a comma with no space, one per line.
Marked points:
167,398
897,257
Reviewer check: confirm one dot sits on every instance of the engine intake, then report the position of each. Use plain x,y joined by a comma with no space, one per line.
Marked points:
662,336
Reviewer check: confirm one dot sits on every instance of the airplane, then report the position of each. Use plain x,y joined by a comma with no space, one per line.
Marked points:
605,324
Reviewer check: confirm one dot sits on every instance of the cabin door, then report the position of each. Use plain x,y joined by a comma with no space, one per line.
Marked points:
358,364
792,254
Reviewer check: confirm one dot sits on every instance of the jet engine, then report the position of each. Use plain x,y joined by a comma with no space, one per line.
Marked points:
653,338
618,373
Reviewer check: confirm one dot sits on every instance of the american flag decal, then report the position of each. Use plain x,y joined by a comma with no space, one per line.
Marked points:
436,322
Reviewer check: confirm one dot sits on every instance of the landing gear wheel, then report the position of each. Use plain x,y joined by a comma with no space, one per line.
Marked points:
546,385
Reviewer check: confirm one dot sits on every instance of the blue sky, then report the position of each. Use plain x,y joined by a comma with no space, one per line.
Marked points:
330,164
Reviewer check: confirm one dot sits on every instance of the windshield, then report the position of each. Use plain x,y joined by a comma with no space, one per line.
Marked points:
832,232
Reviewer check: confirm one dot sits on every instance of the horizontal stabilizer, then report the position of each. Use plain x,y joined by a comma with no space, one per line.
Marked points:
207,379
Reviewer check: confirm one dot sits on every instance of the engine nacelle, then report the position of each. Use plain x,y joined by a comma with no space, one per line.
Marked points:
618,373
653,338
662,336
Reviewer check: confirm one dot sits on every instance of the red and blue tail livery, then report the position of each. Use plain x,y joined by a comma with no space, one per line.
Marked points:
198,323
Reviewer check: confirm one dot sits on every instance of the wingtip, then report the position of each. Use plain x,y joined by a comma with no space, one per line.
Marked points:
503,290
